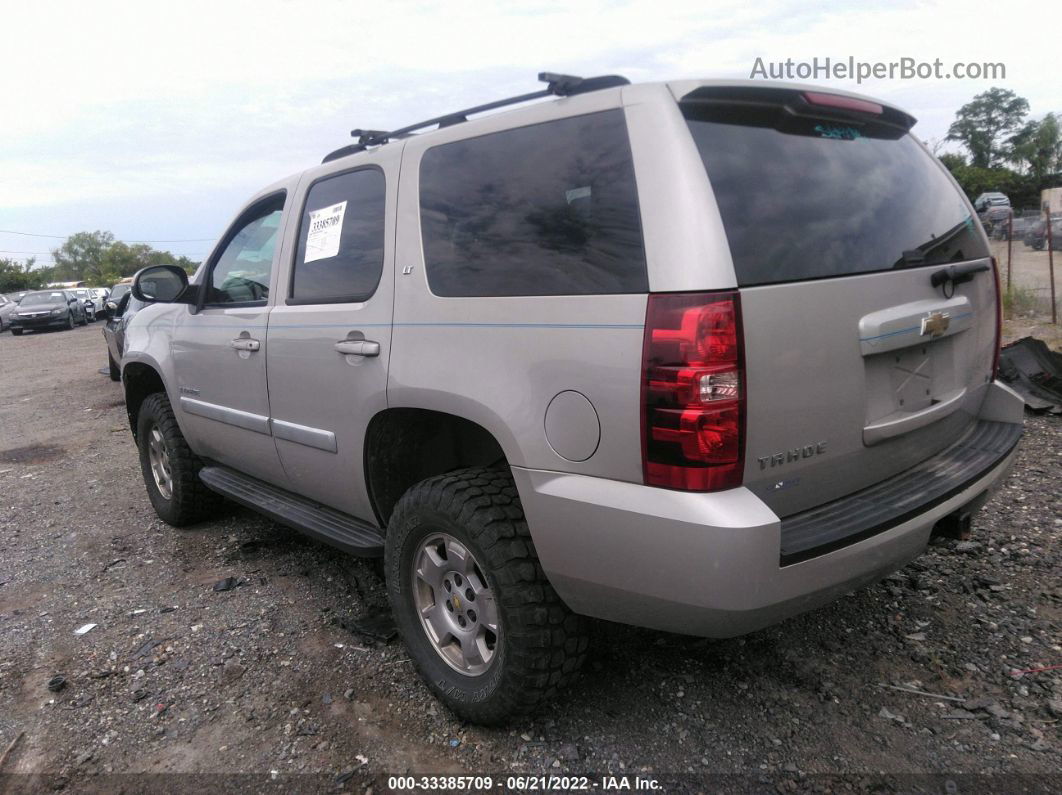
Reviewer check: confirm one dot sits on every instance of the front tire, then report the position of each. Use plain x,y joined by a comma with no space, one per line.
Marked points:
169,467
70,321
482,624
115,370
17,332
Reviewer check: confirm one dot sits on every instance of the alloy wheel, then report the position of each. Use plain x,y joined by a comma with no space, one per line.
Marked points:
456,605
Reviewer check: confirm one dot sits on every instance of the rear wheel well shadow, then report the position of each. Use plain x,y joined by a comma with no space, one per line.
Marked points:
404,446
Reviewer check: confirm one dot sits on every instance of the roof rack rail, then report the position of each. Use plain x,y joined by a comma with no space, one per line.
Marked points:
556,85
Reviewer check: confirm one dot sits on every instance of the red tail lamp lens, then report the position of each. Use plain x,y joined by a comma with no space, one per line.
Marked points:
999,320
693,392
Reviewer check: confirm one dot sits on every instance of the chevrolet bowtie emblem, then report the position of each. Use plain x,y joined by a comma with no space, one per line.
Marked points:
935,324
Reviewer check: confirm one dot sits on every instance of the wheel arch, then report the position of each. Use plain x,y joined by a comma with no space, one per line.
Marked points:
403,446
139,379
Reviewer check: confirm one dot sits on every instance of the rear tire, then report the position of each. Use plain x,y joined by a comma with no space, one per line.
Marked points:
70,321
17,332
169,467
115,370
538,644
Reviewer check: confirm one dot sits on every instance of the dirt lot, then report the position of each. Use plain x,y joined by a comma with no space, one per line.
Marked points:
265,683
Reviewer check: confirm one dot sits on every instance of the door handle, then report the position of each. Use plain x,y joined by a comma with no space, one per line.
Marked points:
358,347
246,344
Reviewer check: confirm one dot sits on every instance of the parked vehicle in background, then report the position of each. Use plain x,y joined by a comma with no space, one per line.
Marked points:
118,290
1035,234
7,307
48,309
1015,227
993,209
570,360
1019,226
118,317
89,301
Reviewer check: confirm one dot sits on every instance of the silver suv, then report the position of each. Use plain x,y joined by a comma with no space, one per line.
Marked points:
695,356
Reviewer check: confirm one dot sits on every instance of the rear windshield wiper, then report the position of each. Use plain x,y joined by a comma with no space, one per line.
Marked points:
957,274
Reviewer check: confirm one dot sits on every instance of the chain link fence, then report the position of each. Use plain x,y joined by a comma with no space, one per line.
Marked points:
1028,249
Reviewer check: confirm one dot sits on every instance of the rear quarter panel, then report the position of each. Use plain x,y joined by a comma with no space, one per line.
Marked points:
499,361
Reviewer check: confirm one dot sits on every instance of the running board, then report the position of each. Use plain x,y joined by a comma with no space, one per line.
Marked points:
338,529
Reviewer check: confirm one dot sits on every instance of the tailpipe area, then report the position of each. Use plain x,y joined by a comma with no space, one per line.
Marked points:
959,523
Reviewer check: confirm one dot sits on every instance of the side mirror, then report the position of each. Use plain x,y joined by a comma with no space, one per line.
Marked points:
162,284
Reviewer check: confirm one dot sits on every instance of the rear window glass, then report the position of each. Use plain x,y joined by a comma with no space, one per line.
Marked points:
548,209
802,198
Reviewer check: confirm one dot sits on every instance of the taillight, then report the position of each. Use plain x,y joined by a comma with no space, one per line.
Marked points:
999,320
693,392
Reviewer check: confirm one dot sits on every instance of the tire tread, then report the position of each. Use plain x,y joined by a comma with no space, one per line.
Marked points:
547,642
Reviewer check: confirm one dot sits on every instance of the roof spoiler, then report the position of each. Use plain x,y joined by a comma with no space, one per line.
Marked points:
800,102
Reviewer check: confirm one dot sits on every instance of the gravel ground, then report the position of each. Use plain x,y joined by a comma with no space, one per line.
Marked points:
266,682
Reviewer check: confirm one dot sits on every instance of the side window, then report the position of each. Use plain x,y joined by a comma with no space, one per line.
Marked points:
340,253
548,209
241,274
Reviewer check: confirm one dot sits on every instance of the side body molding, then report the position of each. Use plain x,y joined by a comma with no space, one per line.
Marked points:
290,431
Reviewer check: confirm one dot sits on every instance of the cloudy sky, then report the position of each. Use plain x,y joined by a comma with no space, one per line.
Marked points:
155,122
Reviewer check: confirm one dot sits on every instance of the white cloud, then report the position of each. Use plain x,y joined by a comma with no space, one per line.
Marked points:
113,101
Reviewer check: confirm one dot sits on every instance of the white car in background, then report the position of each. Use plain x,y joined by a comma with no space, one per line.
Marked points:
7,308
92,304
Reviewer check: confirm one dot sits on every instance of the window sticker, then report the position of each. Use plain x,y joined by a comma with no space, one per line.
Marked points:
577,193
326,228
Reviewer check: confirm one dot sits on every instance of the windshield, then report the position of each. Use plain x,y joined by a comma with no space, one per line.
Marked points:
43,299
802,198
118,291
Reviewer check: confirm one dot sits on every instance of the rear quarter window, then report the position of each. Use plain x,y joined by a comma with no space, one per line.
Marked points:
807,199
548,209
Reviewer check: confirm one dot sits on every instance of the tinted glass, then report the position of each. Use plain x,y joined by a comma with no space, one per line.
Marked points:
241,274
341,239
118,291
803,198
52,297
549,209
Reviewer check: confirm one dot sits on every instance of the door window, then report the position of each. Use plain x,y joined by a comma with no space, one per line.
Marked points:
241,274
341,239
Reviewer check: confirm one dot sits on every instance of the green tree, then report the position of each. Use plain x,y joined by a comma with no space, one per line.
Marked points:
981,124
16,276
100,260
1038,147
952,161
81,257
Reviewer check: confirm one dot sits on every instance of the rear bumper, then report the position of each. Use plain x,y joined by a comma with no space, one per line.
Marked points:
711,564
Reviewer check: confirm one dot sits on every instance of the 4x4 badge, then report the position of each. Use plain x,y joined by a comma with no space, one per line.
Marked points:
935,324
